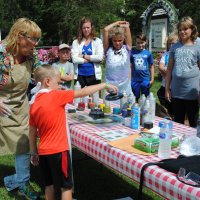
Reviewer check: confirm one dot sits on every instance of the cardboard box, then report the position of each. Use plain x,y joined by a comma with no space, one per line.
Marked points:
150,145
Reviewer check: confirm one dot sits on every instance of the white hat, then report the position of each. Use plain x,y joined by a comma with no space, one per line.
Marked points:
63,46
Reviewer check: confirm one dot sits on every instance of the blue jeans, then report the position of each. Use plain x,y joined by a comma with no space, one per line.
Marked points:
22,175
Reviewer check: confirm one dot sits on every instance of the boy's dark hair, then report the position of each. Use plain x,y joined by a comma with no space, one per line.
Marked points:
141,36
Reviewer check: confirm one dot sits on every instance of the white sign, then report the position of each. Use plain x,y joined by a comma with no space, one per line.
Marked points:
158,33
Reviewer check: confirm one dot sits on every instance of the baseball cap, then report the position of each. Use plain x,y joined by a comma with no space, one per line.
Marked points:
63,46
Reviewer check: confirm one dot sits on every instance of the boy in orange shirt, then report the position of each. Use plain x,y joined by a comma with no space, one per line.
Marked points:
48,122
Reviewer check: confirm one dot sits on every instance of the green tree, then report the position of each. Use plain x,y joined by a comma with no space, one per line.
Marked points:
59,19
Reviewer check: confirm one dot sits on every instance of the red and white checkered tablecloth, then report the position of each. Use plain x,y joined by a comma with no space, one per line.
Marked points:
159,180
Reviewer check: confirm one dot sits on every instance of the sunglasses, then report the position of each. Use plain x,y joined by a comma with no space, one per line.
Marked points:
190,178
32,39
118,52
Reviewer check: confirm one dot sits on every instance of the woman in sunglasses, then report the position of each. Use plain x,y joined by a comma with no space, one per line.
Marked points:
17,60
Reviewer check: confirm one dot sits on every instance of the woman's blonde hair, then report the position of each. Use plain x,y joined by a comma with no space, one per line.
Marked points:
115,31
45,71
22,26
188,22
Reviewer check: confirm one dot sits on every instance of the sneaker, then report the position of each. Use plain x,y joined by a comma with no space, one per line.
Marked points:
28,192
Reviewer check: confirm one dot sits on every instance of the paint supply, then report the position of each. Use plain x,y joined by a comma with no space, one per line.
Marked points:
124,112
85,99
116,110
128,112
101,106
91,105
135,116
89,100
123,100
148,125
77,86
152,108
81,106
127,121
107,109
95,98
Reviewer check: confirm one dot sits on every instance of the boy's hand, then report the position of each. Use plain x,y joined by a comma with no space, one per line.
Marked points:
151,83
112,88
35,159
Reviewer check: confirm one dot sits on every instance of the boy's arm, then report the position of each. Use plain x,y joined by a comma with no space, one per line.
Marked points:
33,145
94,88
151,74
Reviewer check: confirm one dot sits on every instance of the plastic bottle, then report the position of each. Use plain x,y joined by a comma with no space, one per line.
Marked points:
152,101
142,101
123,100
77,86
95,98
165,136
131,100
135,116
198,128
146,115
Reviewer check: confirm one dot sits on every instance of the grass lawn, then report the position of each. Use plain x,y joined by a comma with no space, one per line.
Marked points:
93,181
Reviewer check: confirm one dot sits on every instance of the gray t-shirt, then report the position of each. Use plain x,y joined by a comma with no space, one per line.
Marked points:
65,68
185,73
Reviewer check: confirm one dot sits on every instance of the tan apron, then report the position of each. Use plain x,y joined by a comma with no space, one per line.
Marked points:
14,129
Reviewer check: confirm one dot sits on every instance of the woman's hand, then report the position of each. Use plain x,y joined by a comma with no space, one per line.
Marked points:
4,110
168,95
124,24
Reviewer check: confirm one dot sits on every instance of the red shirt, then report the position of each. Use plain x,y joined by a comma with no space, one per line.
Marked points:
48,115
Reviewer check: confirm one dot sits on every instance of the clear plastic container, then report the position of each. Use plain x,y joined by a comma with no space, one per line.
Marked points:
165,136
190,146
95,98
77,86
123,100
152,101
146,115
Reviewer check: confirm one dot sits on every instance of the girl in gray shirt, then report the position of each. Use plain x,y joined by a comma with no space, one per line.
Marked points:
183,73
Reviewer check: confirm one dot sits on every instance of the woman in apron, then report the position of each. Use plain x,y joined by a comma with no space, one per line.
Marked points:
17,61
